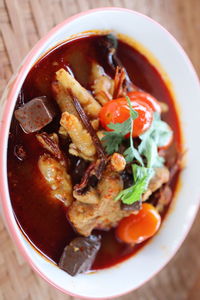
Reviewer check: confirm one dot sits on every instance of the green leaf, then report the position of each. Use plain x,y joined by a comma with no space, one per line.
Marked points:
163,134
121,128
156,136
111,142
140,172
113,139
132,153
133,113
150,152
134,193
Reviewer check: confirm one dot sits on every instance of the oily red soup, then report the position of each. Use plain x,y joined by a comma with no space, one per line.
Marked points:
42,219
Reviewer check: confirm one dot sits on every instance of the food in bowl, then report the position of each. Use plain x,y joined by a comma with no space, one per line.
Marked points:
94,153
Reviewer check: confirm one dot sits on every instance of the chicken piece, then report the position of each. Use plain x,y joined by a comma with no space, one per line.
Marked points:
164,107
57,178
90,197
95,124
118,162
86,217
50,142
79,136
161,176
63,132
164,196
73,150
109,187
107,212
83,217
65,103
71,85
63,98
102,84
100,134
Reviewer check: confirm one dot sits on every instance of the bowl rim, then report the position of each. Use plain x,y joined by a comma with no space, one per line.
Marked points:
3,135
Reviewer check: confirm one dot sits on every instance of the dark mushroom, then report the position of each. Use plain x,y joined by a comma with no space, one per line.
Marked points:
35,114
20,152
108,45
136,206
80,254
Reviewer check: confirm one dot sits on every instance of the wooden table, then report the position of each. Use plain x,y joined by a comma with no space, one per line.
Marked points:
22,23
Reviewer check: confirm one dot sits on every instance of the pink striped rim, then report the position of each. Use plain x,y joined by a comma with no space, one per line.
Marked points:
5,123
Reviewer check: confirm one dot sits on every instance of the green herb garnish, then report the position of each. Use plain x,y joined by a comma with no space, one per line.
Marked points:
131,152
113,139
134,193
156,136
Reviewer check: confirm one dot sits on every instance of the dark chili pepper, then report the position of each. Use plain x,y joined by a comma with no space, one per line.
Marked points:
108,45
96,168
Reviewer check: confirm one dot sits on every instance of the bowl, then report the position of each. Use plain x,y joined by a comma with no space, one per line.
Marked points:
176,68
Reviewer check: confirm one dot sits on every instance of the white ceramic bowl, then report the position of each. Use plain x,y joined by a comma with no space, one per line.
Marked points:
135,271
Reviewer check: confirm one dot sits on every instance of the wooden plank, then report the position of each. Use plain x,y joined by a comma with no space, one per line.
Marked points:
18,25
39,17
11,44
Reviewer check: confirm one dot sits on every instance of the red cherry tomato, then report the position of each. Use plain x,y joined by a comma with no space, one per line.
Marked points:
137,228
146,98
117,111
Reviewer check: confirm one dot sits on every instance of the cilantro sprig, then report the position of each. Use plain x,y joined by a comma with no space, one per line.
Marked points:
142,176
132,152
113,139
156,136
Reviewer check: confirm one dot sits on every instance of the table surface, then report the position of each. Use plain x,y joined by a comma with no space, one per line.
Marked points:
22,23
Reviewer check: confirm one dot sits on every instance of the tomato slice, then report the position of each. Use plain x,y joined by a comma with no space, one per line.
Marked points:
146,98
137,228
117,111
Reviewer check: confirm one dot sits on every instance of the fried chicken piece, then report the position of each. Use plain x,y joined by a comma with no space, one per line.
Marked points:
79,136
63,98
73,150
57,178
161,176
102,84
164,196
118,162
107,212
70,84
85,217
50,142
90,197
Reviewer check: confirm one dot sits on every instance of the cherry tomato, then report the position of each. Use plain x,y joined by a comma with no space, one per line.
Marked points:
117,111
146,98
137,228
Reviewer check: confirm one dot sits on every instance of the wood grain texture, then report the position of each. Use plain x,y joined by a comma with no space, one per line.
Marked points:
22,23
